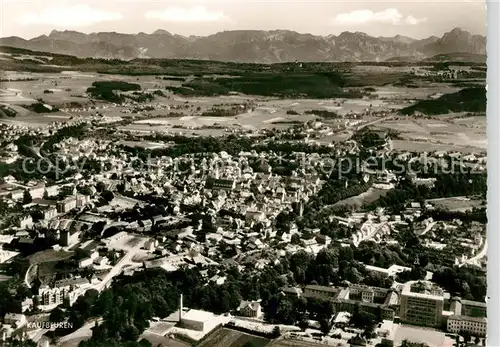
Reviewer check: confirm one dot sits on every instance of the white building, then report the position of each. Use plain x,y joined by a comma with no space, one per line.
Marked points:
197,320
250,309
49,213
37,191
85,262
68,289
25,222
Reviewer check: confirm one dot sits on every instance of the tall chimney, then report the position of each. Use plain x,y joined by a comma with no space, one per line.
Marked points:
180,308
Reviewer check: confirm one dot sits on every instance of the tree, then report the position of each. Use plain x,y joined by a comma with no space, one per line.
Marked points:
303,324
467,337
362,319
57,315
285,312
27,199
324,326
107,195
295,239
14,342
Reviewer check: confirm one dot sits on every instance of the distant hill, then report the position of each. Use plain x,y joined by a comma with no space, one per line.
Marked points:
465,100
462,57
255,46
407,59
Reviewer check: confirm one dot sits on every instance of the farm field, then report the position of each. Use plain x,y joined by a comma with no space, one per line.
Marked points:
367,197
456,204
294,343
438,133
49,256
61,89
232,338
432,338
421,146
158,340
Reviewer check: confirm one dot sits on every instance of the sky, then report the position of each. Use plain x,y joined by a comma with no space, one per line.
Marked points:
31,18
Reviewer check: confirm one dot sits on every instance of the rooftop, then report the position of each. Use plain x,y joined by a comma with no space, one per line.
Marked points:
470,319
322,288
198,315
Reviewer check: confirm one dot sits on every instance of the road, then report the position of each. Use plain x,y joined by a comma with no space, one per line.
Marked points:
373,122
479,256
127,259
26,277
372,233
36,335
84,332
428,228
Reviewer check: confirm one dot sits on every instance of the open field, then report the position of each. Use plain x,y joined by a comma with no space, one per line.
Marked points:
421,146
232,338
49,256
181,112
403,93
432,338
456,204
294,343
162,341
419,134
367,197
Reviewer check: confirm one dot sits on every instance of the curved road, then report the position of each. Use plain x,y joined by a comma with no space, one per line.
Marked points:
26,279
127,259
480,255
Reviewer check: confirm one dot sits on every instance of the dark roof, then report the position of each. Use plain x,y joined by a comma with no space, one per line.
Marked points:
26,240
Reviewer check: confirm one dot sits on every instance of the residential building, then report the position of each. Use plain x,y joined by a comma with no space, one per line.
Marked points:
251,309
475,326
85,262
37,191
68,289
52,190
49,213
254,216
66,205
220,184
320,292
25,222
292,292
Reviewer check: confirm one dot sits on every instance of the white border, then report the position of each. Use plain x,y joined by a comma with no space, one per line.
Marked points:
493,11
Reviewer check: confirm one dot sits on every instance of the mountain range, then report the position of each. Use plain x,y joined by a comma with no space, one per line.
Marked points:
251,46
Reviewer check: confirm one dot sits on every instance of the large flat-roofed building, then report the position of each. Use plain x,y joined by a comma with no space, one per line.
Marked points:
421,304
197,320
